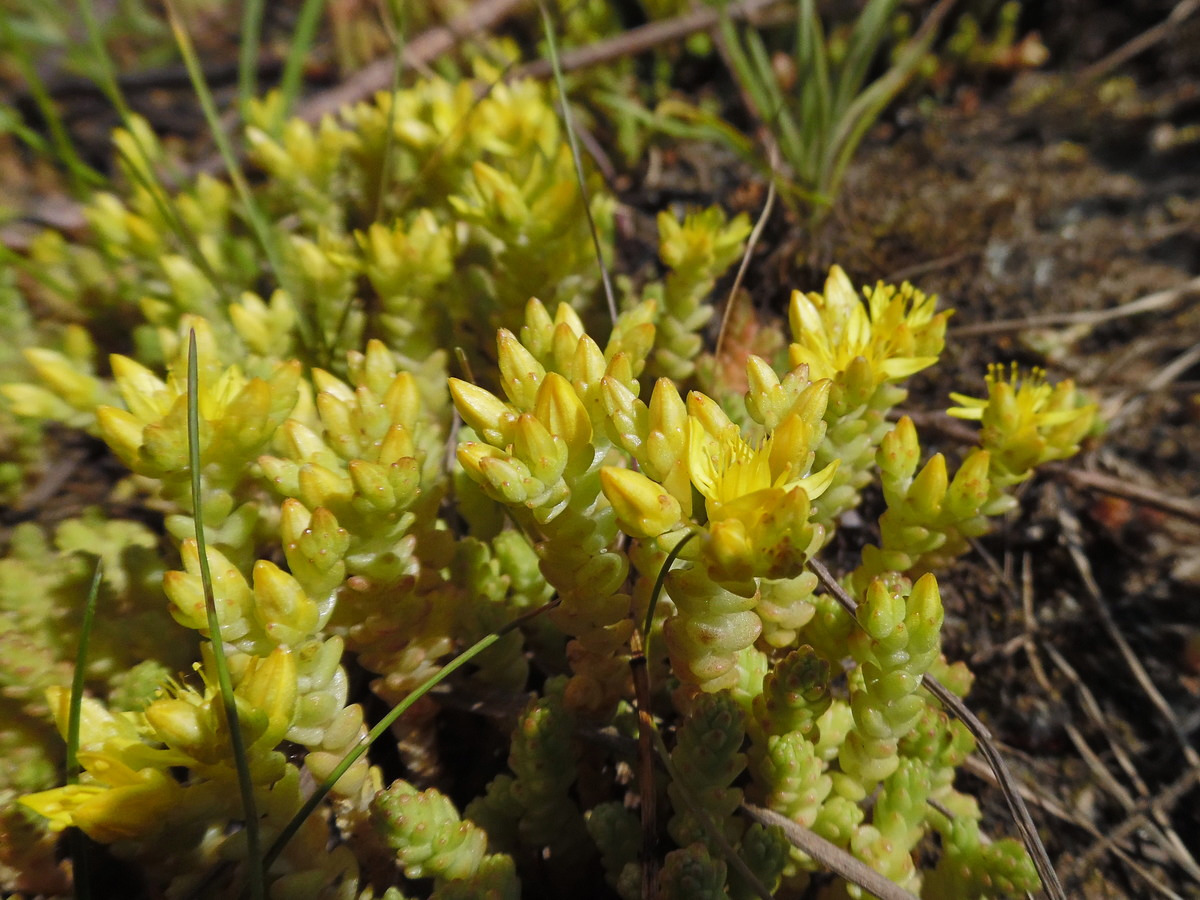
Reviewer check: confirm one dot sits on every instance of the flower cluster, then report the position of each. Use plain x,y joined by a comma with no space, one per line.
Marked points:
366,517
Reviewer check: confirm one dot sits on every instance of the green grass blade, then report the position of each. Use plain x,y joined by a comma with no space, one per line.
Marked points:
258,222
31,270
74,714
254,867
659,581
250,38
679,119
82,176
777,115
104,74
816,96
751,68
387,721
743,70
396,11
573,141
867,106
79,841
870,30
298,51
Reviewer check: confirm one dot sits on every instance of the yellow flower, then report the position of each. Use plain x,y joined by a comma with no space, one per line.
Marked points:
897,332
736,476
1017,400
120,803
757,493
127,788
1026,420
642,507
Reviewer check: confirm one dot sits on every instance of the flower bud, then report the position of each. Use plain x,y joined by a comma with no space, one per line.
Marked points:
544,453
64,379
559,408
643,508
900,451
587,368
538,331
520,373
970,488
281,605
340,428
627,416
371,482
764,397
320,486
269,686
928,489
881,612
402,398
323,542
122,431
491,418
667,440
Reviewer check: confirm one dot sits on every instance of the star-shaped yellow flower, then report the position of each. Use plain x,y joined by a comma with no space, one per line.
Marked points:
732,473
897,331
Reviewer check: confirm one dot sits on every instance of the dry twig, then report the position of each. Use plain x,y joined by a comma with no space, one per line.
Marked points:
830,855
751,243
1073,536
1155,302
1140,44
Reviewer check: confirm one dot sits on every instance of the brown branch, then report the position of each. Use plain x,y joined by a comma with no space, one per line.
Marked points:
421,50
643,38
1183,507
1155,302
1141,43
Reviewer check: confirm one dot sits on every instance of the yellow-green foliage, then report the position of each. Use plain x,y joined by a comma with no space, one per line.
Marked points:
367,512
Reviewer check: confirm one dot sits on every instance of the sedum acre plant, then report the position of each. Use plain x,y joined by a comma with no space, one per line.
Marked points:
371,510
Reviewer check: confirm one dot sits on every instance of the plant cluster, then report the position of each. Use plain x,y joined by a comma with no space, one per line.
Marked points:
580,491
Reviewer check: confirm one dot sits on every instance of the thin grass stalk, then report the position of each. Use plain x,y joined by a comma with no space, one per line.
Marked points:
254,867
396,11
298,51
82,176
81,869
573,141
251,37
639,645
106,79
816,93
318,796
869,32
258,222
862,113
660,581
